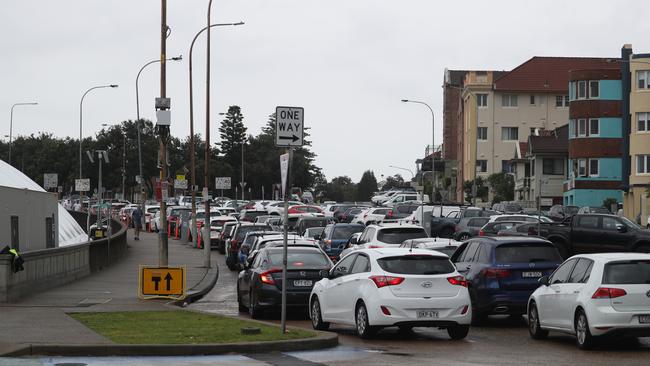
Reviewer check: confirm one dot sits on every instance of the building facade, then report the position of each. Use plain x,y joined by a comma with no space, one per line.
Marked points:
595,137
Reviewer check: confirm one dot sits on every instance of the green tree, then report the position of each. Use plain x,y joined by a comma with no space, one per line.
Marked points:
503,187
395,181
233,140
481,189
367,186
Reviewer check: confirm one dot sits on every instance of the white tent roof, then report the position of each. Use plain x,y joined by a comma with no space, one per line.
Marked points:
69,231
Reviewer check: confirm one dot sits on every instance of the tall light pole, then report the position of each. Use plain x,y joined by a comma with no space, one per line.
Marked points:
433,148
81,114
192,152
138,123
206,174
11,126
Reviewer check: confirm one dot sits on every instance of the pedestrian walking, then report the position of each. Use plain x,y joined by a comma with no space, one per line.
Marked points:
136,217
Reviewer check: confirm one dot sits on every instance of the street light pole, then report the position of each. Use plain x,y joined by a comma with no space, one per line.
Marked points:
11,126
206,173
433,148
138,123
192,152
81,103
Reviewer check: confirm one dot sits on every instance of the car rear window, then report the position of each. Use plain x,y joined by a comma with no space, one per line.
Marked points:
314,223
243,230
344,232
627,272
397,235
527,253
416,265
297,259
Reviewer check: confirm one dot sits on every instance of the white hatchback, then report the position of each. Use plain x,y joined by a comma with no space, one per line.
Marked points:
591,295
384,287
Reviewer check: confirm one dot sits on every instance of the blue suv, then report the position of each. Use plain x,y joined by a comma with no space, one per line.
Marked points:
335,236
503,272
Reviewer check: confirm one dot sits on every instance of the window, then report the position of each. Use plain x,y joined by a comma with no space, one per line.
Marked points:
507,167
582,127
532,100
361,264
482,133
582,89
589,222
509,133
594,127
594,89
481,166
343,268
15,236
532,131
481,100
553,166
642,122
610,223
561,275
593,167
581,271
561,101
509,100
642,79
468,254
582,167
642,164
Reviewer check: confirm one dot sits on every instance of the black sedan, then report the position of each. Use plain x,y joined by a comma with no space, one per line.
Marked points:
259,286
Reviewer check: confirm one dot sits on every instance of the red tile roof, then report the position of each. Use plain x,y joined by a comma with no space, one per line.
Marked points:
523,148
547,74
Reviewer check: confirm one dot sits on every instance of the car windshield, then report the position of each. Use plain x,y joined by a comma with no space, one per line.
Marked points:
314,223
449,250
397,235
629,223
243,230
344,232
527,253
300,259
632,272
416,265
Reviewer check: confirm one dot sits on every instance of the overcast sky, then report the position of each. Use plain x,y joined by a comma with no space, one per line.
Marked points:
347,62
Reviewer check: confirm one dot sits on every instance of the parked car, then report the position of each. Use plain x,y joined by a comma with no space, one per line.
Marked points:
493,228
503,271
277,208
561,213
313,232
225,234
216,228
336,236
259,284
306,209
235,240
445,227
405,197
387,235
250,215
376,288
527,218
403,210
597,233
247,243
445,246
592,295
469,227
373,215
522,229
305,222
350,213
507,208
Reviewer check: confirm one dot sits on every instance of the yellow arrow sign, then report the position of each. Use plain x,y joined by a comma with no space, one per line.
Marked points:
157,282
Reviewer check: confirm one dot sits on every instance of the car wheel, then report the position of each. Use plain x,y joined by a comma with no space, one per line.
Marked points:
253,311
364,330
536,332
315,315
458,332
242,307
584,339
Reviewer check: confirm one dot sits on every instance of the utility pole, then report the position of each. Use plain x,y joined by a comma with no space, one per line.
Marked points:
206,185
163,132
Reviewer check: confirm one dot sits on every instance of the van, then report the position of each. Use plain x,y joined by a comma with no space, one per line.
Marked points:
404,197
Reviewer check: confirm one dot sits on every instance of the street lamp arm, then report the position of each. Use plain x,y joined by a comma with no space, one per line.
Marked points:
405,169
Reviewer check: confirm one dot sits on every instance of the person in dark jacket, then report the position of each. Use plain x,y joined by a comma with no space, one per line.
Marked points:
136,217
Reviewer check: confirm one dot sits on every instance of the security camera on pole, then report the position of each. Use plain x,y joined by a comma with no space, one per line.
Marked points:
289,132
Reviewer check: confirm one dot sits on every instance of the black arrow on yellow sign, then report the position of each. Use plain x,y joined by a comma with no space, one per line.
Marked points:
168,278
156,280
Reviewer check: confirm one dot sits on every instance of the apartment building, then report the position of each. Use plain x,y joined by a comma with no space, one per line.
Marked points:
635,75
595,136
533,96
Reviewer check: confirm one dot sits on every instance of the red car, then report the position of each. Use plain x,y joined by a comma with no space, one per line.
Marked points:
301,209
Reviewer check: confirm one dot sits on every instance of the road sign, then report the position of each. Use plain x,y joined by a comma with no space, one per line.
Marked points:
180,176
180,184
50,180
82,185
222,183
289,126
167,282
284,169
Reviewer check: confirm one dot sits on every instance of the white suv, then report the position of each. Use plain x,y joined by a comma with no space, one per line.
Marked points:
386,235
375,288
591,295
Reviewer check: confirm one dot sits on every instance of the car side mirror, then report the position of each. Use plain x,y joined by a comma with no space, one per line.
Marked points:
354,241
317,237
621,228
544,280
324,273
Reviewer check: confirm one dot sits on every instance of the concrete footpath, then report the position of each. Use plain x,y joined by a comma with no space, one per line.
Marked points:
41,319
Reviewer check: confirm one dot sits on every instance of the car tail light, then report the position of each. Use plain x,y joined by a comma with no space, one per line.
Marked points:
608,293
266,277
495,273
465,308
481,233
374,246
365,215
382,281
457,281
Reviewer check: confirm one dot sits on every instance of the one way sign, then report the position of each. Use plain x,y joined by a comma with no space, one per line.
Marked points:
289,126
166,282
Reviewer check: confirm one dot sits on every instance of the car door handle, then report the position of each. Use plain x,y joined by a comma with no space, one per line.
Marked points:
576,291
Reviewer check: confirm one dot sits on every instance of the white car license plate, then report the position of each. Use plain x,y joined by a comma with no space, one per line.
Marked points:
427,314
302,283
531,274
644,319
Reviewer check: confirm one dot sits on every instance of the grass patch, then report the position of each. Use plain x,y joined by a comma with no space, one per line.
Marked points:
178,327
